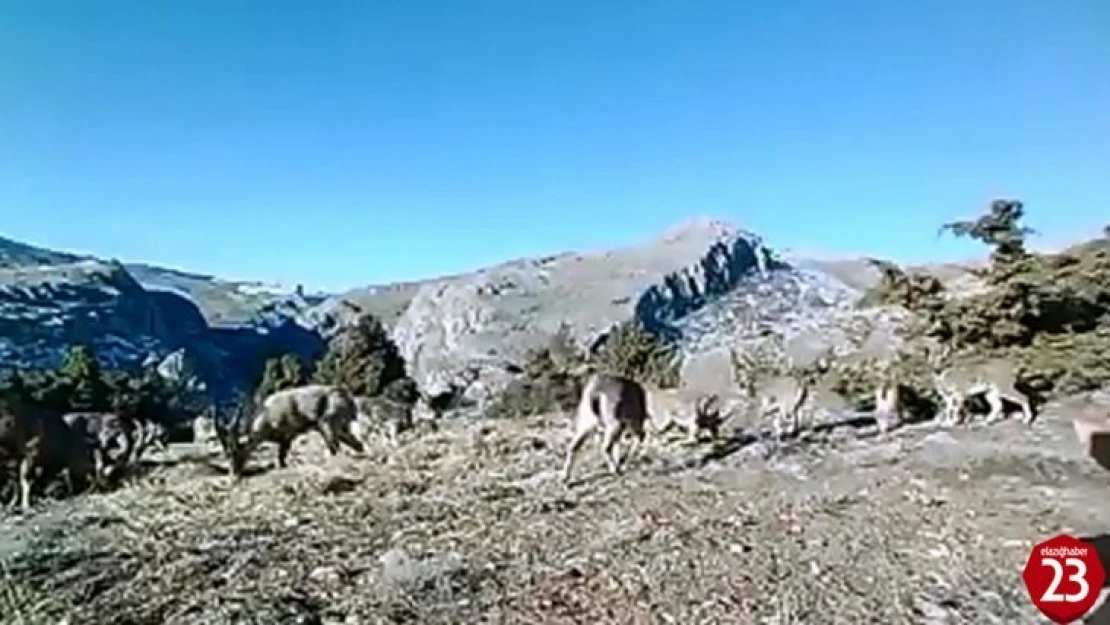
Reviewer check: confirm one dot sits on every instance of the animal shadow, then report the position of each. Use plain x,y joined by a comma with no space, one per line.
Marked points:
724,448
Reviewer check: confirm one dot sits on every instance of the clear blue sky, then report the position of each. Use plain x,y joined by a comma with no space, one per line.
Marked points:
344,143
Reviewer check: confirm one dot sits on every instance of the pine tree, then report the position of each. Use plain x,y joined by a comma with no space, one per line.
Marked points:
362,358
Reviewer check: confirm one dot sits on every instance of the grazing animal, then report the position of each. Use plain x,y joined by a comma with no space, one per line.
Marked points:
612,404
285,415
40,443
693,412
111,438
995,378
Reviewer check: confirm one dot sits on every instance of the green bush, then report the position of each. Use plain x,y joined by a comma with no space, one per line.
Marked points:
550,377
632,351
361,357
547,382
279,374
1050,313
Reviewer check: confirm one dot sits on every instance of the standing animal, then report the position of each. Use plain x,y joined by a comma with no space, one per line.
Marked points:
41,445
611,404
888,396
693,412
285,415
888,405
111,438
783,394
995,378
204,427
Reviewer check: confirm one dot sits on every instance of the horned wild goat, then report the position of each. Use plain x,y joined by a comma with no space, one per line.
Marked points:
994,378
41,445
611,404
693,411
285,415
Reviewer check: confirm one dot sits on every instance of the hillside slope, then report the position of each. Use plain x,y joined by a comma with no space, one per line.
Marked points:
471,524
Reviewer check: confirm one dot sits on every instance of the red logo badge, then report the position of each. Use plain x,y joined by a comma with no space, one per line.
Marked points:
1064,578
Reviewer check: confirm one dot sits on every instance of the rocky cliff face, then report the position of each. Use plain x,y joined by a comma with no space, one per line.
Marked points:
704,284
50,300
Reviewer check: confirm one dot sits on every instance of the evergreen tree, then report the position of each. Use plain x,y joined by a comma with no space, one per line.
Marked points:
362,358
83,379
278,374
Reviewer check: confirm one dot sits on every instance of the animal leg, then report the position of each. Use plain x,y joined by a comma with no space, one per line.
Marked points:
28,481
997,413
331,439
1026,408
638,436
583,430
609,437
283,453
348,438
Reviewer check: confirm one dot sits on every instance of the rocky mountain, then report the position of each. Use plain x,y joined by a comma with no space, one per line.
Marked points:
129,313
705,284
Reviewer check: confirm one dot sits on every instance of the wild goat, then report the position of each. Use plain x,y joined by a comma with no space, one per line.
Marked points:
693,412
887,392
204,428
285,415
41,444
613,404
110,437
888,404
995,378
783,394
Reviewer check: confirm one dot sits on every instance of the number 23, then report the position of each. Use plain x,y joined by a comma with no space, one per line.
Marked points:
1079,577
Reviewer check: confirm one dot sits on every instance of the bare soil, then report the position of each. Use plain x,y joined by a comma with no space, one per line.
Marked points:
470,524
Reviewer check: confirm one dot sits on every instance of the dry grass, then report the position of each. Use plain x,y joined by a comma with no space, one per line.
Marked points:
470,524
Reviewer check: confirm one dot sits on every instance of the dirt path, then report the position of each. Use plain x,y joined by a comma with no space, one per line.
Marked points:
471,525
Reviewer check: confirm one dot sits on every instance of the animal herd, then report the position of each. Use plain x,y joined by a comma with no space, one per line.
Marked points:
90,449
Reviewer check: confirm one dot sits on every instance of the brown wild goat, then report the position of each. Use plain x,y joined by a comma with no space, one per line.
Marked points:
995,378
111,438
692,411
285,415
41,445
612,404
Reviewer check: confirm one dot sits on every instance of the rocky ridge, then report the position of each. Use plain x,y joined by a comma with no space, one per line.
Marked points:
50,300
704,284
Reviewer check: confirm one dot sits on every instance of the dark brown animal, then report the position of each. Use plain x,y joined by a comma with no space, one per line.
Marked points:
41,445
112,439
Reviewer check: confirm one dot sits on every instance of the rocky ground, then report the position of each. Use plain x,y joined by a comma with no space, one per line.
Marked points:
470,524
